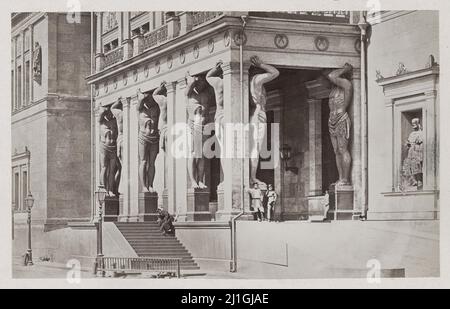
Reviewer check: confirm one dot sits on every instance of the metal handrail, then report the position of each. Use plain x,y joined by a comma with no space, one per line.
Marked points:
142,264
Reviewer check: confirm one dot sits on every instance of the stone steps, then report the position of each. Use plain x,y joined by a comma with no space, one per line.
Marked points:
148,241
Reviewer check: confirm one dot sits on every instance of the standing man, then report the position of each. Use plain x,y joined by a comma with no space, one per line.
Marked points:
109,163
215,78
197,110
256,201
271,197
339,122
148,146
258,119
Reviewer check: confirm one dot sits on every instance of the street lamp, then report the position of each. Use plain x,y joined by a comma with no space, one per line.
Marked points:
29,200
100,195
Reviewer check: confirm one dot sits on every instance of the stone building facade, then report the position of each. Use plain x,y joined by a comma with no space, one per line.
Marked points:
51,126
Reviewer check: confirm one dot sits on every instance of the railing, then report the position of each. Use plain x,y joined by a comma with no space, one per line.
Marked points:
199,18
140,264
155,37
112,57
321,16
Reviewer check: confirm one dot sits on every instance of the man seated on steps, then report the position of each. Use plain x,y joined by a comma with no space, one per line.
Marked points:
165,222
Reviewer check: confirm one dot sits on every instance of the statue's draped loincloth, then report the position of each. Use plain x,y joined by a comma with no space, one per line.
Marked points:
148,139
163,137
110,151
339,126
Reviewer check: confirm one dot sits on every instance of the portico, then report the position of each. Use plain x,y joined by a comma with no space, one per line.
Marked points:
299,49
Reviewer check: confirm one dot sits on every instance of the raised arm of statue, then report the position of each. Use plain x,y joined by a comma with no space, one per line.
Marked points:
271,72
117,104
190,82
213,76
336,77
159,94
141,98
103,113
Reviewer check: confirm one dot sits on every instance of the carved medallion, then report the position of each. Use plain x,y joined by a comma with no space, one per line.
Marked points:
196,51
321,43
146,70
135,75
211,45
358,45
157,66
182,56
281,41
401,69
169,61
240,38
125,79
226,39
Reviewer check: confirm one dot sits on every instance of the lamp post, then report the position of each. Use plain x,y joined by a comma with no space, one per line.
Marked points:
29,254
100,195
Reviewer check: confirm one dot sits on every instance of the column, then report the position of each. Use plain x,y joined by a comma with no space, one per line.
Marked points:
185,22
170,171
99,57
125,179
181,179
315,147
127,42
235,170
429,124
356,140
315,207
14,68
22,57
133,160
30,28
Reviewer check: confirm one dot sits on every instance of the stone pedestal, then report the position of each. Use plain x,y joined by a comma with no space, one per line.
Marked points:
316,208
165,197
122,216
111,209
148,204
341,203
198,205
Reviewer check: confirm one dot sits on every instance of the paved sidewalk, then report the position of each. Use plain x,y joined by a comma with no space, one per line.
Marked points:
44,270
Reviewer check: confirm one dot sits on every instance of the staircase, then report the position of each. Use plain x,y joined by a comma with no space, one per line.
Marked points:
148,241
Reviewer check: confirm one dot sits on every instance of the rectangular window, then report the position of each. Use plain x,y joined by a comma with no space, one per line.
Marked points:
16,191
24,189
27,83
12,89
19,87
20,179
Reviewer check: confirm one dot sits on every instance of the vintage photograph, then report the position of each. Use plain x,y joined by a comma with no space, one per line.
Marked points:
225,144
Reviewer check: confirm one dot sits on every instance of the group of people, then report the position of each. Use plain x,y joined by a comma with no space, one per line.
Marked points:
263,202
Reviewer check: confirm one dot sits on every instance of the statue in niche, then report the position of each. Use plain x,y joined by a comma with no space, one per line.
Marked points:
339,122
109,163
160,97
148,146
413,163
197,110
258,120
215,78
37,63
